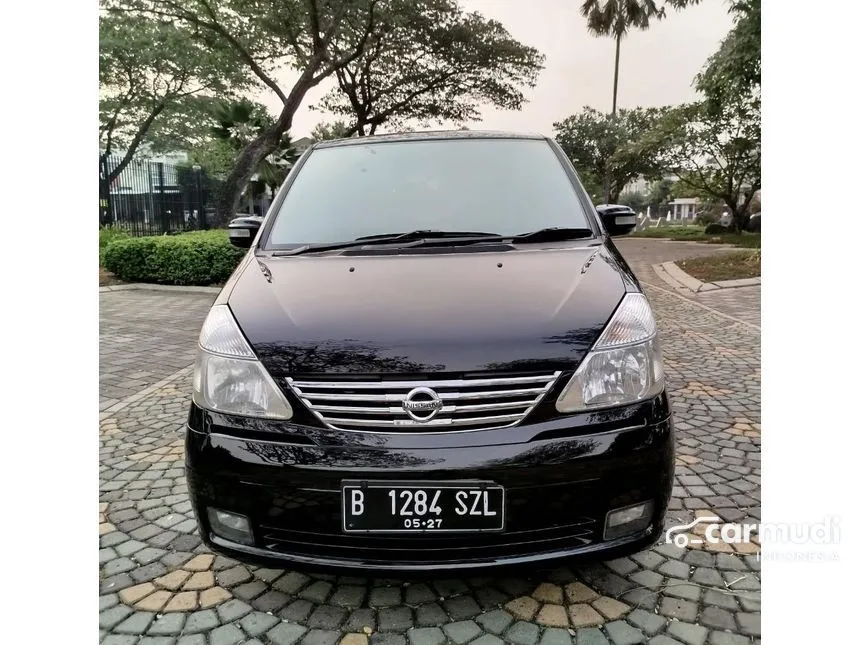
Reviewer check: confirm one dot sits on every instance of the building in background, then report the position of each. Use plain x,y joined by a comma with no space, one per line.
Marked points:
683,209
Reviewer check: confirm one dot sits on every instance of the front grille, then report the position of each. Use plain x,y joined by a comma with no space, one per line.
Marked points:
463,404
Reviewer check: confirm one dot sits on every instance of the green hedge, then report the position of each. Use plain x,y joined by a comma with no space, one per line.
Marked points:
195,258
108,234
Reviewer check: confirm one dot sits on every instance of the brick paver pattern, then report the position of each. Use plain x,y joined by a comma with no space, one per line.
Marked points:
641,253
160,586
144,336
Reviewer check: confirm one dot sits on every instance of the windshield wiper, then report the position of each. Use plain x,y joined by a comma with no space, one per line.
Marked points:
422,234
552,234
417,238
443,238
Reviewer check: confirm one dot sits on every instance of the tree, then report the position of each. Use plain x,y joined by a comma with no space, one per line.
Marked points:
715,153
328,131
605,146
217,156
714,146
592,183
314,38
661,192
634,200
429,62
155,82
616,18
238,123
275,168
735,68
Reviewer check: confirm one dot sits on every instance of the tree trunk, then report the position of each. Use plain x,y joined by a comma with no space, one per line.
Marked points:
246,164
135,143
265,144
740,216
606,179
615,80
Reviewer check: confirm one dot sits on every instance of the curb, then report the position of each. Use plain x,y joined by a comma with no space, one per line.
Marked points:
678,294
141,286
677,278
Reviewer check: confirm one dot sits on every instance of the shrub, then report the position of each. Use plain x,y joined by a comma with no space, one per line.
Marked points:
716,229
195,258
108,234
707,218
671,232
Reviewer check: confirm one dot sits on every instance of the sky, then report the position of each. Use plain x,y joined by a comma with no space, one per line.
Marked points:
657,66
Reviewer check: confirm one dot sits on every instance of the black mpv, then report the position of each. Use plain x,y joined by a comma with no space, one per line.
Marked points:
432,357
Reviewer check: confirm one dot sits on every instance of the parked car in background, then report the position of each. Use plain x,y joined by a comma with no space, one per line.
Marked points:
754,223
622,214
432,358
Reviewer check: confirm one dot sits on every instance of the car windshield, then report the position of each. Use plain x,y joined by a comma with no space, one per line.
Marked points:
497,186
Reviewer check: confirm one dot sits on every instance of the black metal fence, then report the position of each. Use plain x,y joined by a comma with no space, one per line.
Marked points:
152,198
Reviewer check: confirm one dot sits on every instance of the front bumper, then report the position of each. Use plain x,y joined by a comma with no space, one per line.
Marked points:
561,477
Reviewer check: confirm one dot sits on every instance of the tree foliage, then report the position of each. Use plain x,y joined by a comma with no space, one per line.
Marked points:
635,200
328,131
313,38
240,122
735,69
428,62
600,145
155,82
714,146
616,17
661,192
717,154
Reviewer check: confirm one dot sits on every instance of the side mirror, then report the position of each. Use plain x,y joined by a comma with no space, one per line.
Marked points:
243,230
617,220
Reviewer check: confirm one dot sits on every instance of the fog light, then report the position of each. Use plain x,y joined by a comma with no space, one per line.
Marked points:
230,526
628,520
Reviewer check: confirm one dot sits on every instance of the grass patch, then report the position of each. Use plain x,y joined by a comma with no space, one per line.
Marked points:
725,266
697,234
671,232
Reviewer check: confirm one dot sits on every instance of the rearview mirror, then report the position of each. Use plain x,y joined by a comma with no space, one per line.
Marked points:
617,220
243,230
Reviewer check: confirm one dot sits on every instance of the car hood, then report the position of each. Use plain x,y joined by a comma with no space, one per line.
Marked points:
524,310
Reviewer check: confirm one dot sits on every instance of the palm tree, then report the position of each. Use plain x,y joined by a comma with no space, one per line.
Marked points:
274,168
238,123
616,18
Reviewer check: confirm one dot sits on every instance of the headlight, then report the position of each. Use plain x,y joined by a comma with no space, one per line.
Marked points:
623,367
228,377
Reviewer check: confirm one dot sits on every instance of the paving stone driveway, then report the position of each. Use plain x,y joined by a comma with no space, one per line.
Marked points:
160,586
641,253
145,336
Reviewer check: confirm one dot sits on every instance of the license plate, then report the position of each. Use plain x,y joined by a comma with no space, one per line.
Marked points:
419,507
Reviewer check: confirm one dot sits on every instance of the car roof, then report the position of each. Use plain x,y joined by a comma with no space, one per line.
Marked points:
430,135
